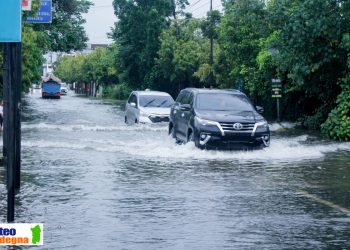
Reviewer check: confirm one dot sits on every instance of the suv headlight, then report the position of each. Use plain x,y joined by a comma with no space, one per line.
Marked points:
205,122
262,124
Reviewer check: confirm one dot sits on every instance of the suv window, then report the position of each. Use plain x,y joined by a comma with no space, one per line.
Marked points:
223,102
180,96
132,99
188,98
185,97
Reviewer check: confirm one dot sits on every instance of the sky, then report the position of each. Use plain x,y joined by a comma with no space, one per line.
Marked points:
101,17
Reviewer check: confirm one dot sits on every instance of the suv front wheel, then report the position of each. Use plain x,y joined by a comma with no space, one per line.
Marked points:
192,137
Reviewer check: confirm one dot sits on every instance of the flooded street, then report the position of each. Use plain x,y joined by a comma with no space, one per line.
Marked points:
97,183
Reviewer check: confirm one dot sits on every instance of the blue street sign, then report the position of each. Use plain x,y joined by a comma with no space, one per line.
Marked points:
44,14
10,21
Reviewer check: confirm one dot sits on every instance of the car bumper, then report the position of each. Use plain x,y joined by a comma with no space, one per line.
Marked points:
211,136
154,119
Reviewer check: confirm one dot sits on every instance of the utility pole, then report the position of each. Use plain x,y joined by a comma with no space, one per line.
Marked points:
12,125
211,35
211,61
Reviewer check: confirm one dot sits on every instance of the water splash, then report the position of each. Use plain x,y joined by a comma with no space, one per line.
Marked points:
281,149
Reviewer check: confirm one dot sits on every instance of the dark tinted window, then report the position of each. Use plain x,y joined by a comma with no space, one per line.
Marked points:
187,99
156,101
180,96
133,99
223,102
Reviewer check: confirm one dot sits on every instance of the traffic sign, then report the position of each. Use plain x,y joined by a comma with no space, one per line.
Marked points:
276,88
27,5
44,14
10,24
276,81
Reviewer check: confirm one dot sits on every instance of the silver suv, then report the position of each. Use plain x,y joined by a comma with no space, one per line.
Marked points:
148,107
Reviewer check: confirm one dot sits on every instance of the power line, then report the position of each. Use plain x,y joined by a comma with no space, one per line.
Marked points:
203,13
191,6
200,7
101,6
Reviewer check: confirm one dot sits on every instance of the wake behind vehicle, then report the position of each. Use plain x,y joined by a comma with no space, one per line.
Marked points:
148,107
51,87
218,118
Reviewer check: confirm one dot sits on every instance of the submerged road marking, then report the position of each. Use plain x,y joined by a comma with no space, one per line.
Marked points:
325,202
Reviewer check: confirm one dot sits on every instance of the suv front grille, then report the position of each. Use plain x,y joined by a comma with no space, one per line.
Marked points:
228,126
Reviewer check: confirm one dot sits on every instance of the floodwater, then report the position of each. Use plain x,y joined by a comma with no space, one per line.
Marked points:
97,183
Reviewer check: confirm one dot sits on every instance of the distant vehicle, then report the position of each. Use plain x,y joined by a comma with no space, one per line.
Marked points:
64,88
218,118
51,87
148,107
36,86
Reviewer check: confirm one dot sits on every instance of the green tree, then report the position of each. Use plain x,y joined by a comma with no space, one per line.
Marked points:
310,56
66,32
32,50
137,33
184,50
98,67
242,28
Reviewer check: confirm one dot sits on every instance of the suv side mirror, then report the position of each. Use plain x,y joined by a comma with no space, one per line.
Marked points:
132,104
259,109
185,107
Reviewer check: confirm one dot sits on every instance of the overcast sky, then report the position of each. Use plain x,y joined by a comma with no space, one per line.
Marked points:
101,17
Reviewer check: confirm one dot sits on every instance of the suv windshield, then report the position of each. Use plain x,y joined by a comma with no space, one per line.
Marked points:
153,101
223,102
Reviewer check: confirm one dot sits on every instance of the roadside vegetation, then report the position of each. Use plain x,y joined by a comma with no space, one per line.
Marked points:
306,44
157,45
64,34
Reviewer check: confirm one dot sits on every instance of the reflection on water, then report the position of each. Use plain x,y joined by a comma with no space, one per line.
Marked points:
96,183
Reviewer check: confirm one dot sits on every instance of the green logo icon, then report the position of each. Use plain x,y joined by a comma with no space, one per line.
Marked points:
36,234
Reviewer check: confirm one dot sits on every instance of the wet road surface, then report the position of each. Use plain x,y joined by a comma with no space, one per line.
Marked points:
97,183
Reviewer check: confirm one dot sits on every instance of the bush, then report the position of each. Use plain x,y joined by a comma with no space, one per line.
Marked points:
117,92
337,126
314,121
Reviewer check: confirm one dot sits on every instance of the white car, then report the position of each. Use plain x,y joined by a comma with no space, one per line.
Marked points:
148,107
64,89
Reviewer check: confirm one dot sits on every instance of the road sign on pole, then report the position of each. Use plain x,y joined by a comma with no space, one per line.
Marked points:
276,88
10,23
26,5
44,14
277,93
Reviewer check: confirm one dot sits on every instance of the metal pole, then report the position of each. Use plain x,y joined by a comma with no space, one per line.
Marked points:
278,110
17,88
211,35
8,132
211,60
12,82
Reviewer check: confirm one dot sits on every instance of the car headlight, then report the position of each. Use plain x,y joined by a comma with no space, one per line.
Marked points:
205,122
143,113
262,124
